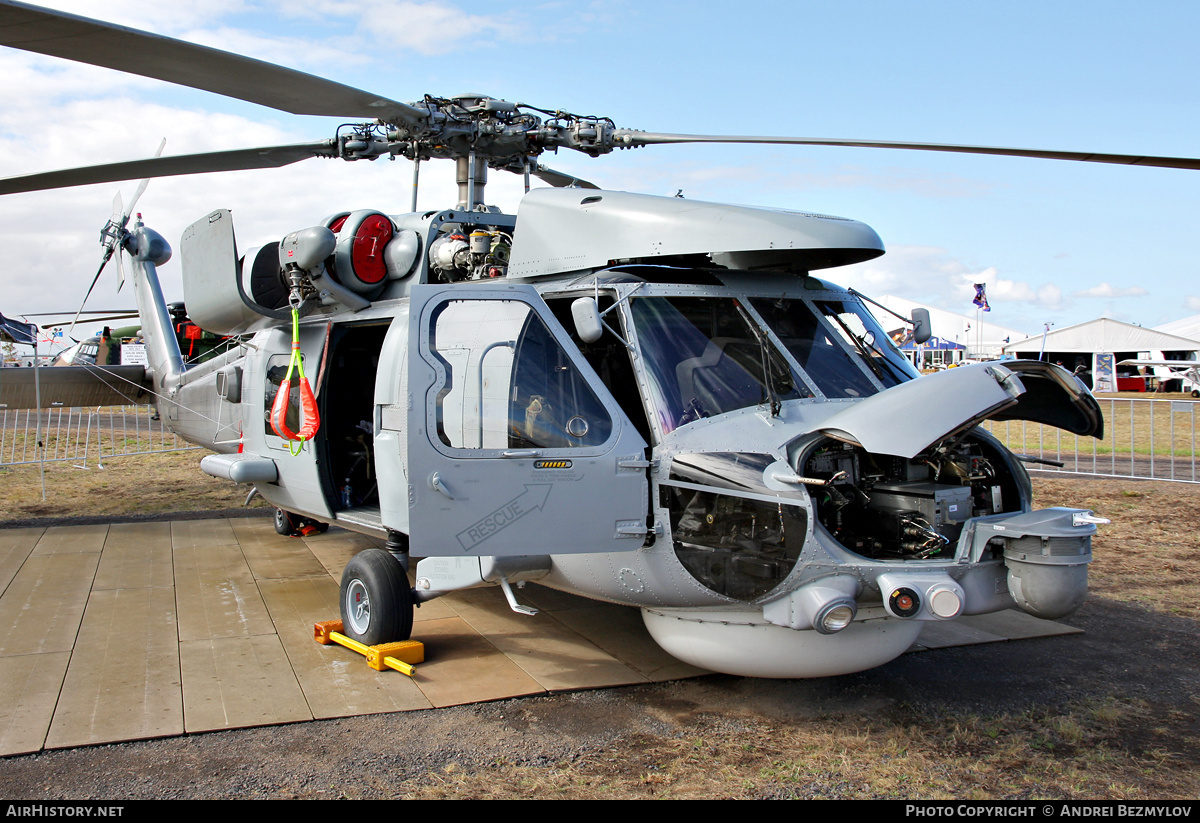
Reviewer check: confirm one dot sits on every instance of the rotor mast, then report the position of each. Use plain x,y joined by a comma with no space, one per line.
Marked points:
471,176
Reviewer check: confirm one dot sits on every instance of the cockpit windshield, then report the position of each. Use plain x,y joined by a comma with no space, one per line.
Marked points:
705,356
834,353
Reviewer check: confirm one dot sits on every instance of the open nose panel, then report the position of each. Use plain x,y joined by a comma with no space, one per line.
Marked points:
906,419
1055,397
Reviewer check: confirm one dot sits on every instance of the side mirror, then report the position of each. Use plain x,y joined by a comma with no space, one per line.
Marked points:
922,330
586,314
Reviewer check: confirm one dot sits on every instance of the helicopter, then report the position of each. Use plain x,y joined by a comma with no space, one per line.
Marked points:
646,400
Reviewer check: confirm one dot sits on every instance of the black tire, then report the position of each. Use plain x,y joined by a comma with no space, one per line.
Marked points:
376,599
1195,393
286,523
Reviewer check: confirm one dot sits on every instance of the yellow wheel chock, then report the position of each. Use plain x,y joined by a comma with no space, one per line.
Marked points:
398,656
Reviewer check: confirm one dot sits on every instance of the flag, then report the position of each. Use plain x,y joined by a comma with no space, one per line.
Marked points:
981,297
17,332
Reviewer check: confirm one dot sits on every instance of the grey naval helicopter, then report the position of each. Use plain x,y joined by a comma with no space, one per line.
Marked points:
645,400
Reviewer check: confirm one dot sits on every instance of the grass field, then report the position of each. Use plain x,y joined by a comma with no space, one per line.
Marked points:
131,485
1134,424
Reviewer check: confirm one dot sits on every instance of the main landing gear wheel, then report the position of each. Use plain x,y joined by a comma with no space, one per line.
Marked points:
377,602
1195,393
286,523
294,525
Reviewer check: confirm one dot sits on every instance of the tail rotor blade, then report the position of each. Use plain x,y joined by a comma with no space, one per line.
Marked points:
110,239
121,269
108,252
137,195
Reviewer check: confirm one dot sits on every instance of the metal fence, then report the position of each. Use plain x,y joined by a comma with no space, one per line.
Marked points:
1147,439
83,434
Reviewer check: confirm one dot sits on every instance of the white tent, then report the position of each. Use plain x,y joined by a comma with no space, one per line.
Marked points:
1187,327
1100,344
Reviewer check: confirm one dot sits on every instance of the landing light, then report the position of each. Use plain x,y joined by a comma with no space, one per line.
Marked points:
829,604
836,618
945,603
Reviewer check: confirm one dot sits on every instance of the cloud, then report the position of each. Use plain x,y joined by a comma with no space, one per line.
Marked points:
409,26
932,276
319,56
1107,290
229,25
51,236
1000,290
435,28
32,81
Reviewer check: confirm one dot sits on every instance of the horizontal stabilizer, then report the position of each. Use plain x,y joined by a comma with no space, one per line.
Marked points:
69,386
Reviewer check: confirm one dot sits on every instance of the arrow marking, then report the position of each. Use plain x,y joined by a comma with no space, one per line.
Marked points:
533,499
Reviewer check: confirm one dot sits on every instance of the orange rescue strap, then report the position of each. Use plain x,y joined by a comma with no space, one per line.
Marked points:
310,419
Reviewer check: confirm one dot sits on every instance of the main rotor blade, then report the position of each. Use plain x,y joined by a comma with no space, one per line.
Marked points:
268,157
558,179
126,316
634,138
130,312
83,40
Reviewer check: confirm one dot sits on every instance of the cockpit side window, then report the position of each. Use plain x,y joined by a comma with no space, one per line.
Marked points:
609,358
552,406
508,382
277,368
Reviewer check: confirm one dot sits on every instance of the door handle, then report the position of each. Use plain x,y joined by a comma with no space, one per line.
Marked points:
435,480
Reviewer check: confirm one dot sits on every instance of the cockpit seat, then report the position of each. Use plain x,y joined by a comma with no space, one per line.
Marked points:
714,380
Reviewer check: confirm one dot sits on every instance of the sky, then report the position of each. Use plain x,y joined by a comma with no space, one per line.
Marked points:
1055,242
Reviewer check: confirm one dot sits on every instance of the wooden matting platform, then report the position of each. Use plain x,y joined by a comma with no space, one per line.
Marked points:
135,631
